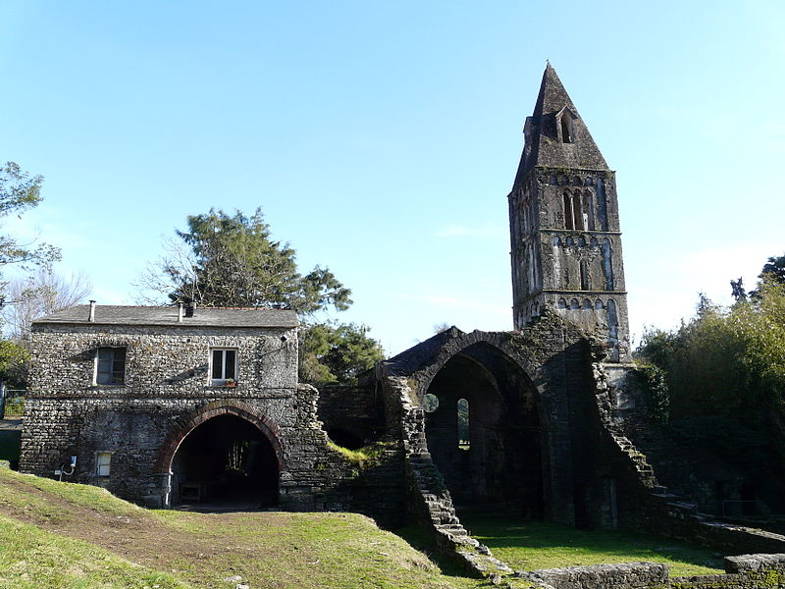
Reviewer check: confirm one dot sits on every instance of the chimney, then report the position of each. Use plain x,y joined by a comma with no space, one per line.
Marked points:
91,317
180,312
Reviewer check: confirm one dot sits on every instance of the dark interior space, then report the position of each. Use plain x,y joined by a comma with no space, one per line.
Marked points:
484,434
346,438
225,462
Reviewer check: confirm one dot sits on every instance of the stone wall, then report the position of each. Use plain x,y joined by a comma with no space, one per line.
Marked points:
353,416
645,504
165,394
629,575
749,571
576,457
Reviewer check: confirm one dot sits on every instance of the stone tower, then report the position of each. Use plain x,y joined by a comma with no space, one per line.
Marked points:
564,224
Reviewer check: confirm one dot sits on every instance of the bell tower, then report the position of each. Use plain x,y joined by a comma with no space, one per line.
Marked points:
564,224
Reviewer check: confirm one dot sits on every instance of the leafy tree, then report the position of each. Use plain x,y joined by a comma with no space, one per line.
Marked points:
226,260
231,260
774,269
19,191
728,362
337,353
13,364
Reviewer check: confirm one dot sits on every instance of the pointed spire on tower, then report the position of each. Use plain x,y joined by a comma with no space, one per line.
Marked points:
555,134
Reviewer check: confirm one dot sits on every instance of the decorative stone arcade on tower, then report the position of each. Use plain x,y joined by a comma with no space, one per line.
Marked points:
564,224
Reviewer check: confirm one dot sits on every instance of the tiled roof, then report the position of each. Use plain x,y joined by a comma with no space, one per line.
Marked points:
203,316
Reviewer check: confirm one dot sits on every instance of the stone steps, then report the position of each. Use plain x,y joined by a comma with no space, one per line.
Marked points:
674,502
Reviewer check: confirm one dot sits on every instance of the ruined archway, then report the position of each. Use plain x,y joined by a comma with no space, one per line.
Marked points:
484,432
223,457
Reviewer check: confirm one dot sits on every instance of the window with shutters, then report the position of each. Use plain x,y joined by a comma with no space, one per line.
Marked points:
110,366
223,366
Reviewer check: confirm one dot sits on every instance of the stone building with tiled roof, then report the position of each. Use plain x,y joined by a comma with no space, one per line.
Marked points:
168,405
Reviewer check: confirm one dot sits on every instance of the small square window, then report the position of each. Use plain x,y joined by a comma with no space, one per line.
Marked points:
103,464
223,366
110,366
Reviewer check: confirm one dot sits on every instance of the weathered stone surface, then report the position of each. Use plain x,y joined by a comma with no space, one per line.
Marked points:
166,393
631,575
565,238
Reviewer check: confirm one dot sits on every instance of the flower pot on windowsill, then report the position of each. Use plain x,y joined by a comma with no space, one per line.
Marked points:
230,384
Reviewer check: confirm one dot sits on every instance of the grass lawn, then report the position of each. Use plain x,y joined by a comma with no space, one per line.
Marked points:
32,558
540,545
75,536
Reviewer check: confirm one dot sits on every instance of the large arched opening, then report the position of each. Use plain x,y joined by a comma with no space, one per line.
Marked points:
225,462
483,431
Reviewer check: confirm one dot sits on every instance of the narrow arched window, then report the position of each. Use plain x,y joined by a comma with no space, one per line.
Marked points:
607,263
613,321
568,215
585,281
577,210
464,437
566,128
588,211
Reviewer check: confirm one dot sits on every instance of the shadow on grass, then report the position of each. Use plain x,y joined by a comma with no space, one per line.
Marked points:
420,540
537,545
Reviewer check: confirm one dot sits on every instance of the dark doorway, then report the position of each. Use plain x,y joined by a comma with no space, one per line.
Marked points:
226,462
483,433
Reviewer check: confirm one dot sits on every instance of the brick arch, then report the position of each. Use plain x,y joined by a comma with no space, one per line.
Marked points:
215,409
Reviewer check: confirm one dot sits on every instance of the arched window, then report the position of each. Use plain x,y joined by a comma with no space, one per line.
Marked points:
586,304
607,263
574,304
602,205
585,279
464,436
566,128
577,211
613,321
588,211
568,214
562,304
597,305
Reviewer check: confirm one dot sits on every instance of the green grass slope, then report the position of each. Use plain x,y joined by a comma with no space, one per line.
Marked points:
66,535
34,558
75,536
545,545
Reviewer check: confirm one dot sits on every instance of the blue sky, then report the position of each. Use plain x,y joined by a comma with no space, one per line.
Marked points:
381,139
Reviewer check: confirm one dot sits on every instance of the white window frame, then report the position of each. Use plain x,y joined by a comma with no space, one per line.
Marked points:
107,470
221,379
97,360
